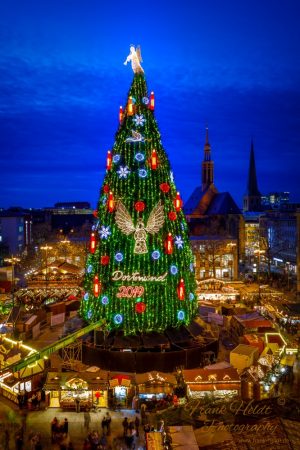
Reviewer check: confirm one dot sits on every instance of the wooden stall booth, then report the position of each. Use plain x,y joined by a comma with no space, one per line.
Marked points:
121,390
216,382
70,390
155,389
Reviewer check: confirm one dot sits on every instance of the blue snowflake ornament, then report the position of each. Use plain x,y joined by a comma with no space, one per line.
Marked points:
178,241
123,172
116,158
139,120
145,100
104,232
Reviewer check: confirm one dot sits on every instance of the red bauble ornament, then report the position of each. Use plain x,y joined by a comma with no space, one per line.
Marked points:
140,307
164,187
172,215
92,243
181,289
104,260
95,213
139,206
106,189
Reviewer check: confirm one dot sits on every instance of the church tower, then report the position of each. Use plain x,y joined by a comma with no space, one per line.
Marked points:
252,197
207,166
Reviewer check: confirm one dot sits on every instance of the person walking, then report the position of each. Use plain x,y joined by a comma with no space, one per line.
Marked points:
65,427
87,420
77,403
125,426
104,425
137,425
54,429
108,423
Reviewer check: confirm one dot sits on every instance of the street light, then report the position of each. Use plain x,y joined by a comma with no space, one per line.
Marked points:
65,241
46,248
13,260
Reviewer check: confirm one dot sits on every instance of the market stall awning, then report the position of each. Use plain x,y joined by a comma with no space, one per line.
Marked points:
196,376
155,378
161,389
205,387
74,381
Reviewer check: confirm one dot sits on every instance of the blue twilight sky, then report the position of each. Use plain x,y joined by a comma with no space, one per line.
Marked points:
234,65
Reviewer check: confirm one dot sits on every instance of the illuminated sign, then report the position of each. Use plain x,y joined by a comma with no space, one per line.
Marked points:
130,291
118,275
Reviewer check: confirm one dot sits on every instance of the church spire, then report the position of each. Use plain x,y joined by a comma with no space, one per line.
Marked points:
252,197
207,165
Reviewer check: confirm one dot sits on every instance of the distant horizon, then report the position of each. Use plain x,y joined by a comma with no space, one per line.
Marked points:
12,206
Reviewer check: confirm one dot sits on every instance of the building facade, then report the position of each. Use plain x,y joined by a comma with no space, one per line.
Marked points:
216,226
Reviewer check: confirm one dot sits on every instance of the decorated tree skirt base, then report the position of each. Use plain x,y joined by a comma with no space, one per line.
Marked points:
148,352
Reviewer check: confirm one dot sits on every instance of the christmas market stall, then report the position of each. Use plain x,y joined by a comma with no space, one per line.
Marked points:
121,390
23,382
76,390
217,382
155,389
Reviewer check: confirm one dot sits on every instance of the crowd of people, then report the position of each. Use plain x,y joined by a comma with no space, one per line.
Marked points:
60,434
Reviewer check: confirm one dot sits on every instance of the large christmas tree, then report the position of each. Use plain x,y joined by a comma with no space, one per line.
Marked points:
140,271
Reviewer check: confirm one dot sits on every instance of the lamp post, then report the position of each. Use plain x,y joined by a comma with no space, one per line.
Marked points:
13,261
65,241
46,248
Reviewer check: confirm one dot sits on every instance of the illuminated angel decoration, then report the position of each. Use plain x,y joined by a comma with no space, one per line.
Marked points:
136,58
154,224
